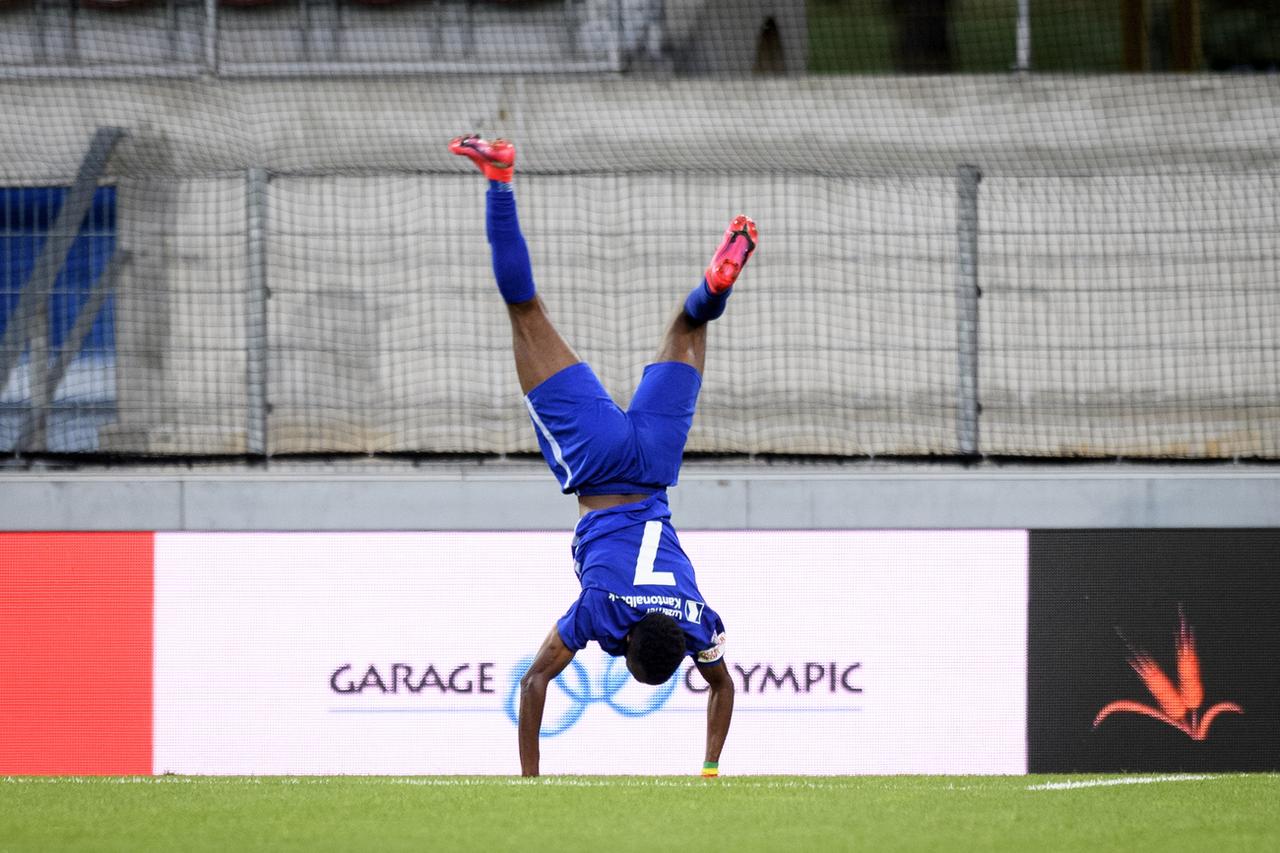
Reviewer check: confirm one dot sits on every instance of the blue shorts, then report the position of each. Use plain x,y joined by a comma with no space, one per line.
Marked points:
595,448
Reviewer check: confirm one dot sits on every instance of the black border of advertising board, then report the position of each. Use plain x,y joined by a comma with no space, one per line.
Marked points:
1153,650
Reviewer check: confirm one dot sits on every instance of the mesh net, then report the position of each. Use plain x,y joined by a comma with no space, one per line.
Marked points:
987,227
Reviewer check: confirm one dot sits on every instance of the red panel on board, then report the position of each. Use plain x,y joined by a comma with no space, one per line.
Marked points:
76,652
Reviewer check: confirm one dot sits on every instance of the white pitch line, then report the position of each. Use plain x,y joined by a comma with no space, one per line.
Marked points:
1124,780
434,782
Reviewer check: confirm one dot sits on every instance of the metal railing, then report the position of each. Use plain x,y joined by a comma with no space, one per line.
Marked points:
289,38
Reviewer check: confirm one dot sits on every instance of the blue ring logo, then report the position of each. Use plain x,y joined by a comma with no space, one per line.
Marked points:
576,684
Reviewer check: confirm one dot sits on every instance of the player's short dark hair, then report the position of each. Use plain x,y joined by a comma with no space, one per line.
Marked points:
655,649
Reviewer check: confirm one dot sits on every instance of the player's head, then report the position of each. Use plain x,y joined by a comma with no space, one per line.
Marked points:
655,648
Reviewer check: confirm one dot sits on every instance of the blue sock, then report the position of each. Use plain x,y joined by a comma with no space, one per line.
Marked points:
510,253
702,305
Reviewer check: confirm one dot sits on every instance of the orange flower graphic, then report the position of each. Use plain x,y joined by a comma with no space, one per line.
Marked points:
1179,703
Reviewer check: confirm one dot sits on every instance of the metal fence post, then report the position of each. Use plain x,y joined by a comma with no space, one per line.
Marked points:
1023,61
967,293
35,435
256,312
211,36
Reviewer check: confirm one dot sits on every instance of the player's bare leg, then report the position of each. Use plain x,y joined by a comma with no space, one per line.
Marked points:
686,337
539,349
685,341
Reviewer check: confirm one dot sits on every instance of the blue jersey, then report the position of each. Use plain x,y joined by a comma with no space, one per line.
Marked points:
630,563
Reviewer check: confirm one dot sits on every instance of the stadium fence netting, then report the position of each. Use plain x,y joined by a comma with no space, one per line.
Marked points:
988,227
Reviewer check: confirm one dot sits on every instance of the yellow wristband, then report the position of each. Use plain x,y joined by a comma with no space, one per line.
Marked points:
710,768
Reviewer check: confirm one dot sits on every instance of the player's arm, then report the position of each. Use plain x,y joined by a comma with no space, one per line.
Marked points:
551,659
719,706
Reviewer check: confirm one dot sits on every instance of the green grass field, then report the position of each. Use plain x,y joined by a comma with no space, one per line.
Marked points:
729,815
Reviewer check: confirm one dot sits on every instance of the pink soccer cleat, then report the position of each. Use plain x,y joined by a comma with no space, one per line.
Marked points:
727,263
497,159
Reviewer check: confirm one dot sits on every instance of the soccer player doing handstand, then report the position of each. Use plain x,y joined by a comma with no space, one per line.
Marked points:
639,596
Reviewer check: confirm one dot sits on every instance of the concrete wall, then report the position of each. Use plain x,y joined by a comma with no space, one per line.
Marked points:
518,496
1129,237
1009,126
47,32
